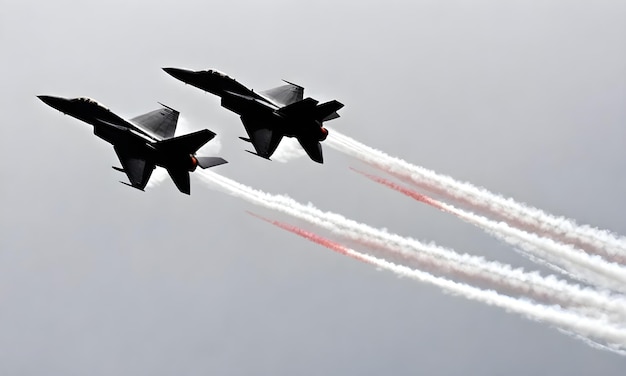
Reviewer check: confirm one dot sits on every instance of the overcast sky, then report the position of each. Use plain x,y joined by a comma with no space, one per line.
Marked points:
526,98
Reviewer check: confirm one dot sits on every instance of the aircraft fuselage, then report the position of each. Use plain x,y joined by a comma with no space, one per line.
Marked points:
246,102
119,132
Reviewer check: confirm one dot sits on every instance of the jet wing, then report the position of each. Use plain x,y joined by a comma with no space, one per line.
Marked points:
286,94
161,123
264,140
313,148
137,169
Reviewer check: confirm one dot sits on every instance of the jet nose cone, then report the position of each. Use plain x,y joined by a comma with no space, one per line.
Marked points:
54,102
181,74
46,99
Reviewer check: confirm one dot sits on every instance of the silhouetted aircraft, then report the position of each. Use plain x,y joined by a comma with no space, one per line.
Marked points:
143,142
268,115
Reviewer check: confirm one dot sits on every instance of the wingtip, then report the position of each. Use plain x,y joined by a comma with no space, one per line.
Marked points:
291,83
258,155
168,107
132,186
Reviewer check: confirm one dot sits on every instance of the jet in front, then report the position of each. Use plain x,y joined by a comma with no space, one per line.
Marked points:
143,142
269,115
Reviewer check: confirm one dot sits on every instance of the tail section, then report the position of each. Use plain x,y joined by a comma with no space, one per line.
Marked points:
180,159
188,144
206,162
303,108
328,111
309,108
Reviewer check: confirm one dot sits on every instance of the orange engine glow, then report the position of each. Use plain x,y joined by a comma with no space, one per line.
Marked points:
193,164
323,134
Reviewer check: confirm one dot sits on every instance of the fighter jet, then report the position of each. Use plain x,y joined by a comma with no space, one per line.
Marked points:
269,115
143,142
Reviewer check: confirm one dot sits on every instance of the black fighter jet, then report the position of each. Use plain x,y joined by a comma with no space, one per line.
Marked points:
143,142
268,115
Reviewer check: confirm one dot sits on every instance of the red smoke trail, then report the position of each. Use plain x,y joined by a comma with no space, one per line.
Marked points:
485,209
451,270
515,223
497,273
436,190
585,327
436,204
313,237
348,252
422,261
409,192
566,230
557,253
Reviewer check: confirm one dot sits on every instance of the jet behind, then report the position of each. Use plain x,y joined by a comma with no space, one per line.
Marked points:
271,114
143,142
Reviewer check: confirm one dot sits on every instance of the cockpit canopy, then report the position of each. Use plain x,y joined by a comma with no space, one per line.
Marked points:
218,73
90,101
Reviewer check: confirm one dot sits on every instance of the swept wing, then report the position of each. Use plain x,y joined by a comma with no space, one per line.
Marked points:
161,123
137,169
285,94
264,140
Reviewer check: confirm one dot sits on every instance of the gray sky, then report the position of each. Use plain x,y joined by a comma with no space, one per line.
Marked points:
526,98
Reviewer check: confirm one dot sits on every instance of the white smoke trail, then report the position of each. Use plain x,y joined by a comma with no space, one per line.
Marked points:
560,228
590,268
587,329
592,343
614,337
588,300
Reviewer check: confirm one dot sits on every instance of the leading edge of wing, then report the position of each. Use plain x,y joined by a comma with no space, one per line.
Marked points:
313,148
161,122
137,169
264,140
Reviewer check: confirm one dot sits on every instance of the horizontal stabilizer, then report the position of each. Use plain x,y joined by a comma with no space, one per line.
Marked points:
206,162
118,169
328,111
245,139
188,143
304,108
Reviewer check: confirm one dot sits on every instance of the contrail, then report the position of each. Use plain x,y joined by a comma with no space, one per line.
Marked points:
590,268
591,239
496,273
615,338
